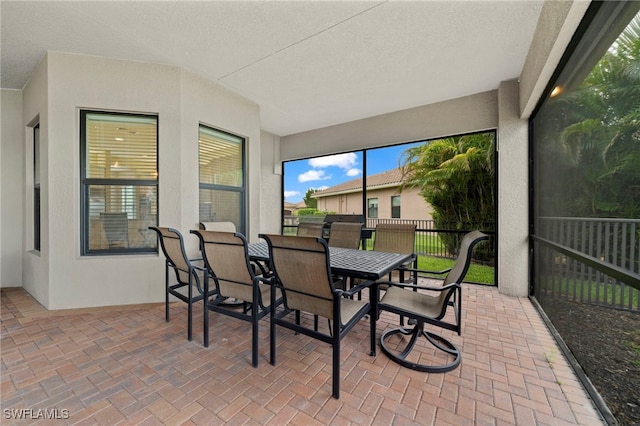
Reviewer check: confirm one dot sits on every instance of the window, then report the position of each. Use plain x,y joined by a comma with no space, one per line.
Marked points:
372,208
222,182
36,187
395,206
119,155
355,182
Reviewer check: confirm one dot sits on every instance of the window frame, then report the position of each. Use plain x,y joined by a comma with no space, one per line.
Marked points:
37,209
393,207
86,183
370,207
240,190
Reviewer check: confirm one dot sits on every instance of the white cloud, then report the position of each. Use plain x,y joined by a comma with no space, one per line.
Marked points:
344,161
322,188
289,194
312,175
353,172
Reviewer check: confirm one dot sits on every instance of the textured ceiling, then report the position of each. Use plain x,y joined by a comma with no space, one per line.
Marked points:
308,64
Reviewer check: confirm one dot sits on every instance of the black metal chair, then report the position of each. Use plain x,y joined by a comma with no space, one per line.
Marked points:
302,271
407,300
188,276
226,257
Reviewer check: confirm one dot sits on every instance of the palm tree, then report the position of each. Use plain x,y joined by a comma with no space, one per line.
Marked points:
455,176
599,126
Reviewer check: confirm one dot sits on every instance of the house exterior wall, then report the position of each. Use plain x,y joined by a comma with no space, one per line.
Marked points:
270,187
12,164
452,117
35,265
350,203
59,277
412,205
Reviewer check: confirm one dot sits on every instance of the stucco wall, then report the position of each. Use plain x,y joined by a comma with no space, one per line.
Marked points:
270,186
512,256
557,24
463,115
35,265
181,101
11,188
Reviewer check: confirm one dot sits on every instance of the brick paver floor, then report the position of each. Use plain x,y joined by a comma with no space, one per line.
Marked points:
126,365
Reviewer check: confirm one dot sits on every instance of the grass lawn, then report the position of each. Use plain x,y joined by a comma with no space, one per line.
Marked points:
477,273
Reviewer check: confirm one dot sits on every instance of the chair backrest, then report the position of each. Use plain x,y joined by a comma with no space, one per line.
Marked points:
460,268
172,246
330,218
301,266
225,255
345,234
310,229
218,226
395,238
116,227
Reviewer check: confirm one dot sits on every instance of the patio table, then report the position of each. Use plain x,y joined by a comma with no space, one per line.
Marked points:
364,264
367,265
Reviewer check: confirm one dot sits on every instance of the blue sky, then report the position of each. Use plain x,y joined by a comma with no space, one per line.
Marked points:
324,172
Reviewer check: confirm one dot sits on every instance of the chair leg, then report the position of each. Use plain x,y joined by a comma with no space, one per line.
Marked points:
254,334
190,314
205,315
166,293
336,360
272,326
166,306
272,343
437,341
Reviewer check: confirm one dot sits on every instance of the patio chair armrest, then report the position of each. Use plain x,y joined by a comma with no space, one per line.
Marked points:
427,271
357,288
198,260
199,268
420,287
264,271
266,279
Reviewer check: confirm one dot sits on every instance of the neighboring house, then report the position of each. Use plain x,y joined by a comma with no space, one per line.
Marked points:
290,209
384,198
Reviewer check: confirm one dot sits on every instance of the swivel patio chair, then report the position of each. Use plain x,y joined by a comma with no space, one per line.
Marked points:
226,257
188,275
423,308
302,272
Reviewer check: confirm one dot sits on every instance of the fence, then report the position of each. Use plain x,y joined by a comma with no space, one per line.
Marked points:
593,261
430,241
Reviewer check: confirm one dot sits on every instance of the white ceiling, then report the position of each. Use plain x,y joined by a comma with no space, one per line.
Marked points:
308,64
